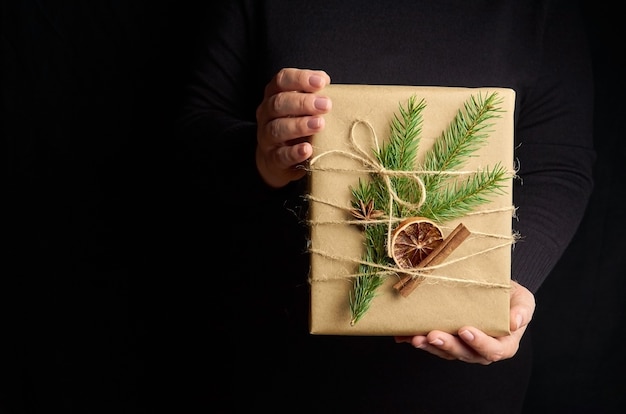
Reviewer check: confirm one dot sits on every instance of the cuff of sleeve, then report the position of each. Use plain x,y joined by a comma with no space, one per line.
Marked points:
532,262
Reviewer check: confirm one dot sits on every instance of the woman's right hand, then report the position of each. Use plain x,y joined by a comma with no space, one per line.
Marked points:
291,111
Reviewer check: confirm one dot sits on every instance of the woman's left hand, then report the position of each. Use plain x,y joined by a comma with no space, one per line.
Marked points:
473,345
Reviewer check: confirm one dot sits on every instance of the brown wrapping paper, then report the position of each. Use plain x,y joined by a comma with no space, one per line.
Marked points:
472,286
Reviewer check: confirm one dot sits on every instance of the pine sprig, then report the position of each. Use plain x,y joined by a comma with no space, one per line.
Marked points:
369,280
397,154
364,291
466,133
446,197
461,198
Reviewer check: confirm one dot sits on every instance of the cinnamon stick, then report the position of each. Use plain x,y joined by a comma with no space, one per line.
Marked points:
408,282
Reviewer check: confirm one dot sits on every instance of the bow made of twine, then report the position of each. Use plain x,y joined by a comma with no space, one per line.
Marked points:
374,166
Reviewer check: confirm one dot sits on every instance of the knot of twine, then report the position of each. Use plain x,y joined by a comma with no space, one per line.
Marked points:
372,165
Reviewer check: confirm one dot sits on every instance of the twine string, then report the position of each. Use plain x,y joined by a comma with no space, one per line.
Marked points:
373,166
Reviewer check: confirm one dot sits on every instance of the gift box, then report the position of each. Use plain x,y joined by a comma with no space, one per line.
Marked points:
402,170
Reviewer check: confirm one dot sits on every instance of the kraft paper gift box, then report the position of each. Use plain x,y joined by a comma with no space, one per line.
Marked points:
472,285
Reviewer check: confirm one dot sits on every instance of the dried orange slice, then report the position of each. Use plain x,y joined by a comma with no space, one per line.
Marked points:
413,240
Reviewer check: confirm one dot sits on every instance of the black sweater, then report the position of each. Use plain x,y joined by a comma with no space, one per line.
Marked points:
536,48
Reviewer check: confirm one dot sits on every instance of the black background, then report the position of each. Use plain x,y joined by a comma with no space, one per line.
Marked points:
92,188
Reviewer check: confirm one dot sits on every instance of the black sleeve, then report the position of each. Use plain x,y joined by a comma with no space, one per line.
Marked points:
217,122
555,148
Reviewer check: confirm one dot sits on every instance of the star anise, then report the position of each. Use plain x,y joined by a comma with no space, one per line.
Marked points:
366,211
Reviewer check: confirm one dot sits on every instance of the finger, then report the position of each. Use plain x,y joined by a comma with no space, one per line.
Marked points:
282,130
286,157
281,165
285,104
293,79
450,347
293,155
522,306
440,350
488,348
445,347
435,350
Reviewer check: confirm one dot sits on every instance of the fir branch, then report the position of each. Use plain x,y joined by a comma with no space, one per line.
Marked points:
363,292
404,138
368,281
466,133
398,154
462,197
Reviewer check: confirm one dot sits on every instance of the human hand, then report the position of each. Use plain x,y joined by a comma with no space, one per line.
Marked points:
474,346
291,111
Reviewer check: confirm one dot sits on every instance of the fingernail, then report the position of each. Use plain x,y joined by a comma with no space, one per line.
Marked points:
436,342
420,346
314,123
303,150
321,103
467,336
518,321
316,81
